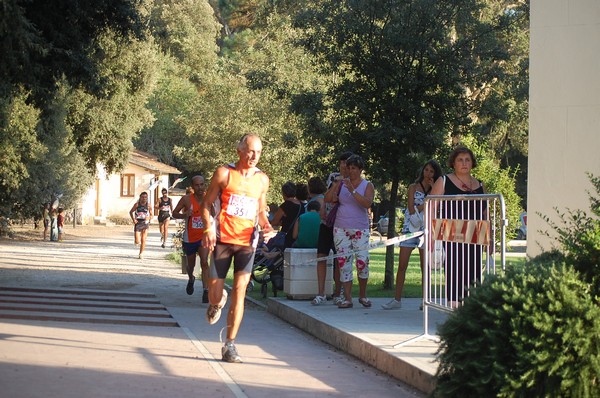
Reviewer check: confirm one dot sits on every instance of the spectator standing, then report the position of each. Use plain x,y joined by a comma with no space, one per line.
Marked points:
61,223
53,224
46,220
302,193
316,190
417,192
325,244
463,261
351,231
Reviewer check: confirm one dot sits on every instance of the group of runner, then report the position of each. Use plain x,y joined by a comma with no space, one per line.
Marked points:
141,214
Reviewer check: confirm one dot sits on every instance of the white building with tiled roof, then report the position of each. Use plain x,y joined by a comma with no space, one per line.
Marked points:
113,195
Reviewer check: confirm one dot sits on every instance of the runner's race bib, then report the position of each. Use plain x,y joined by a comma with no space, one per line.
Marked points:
242,207
197,222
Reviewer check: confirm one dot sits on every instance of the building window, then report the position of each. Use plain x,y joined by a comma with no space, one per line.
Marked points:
127,184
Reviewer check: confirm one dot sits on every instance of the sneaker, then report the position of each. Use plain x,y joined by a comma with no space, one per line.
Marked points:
163,245
205,296
140,256
337,300
230,354
213,312
319,300
392,305
189,289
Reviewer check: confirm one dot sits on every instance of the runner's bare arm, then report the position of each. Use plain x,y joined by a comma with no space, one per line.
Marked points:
217,183
180,211
263,219
131,212
438,187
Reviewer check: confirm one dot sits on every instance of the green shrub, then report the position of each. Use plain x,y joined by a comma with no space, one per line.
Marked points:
579,237
120,220
532,332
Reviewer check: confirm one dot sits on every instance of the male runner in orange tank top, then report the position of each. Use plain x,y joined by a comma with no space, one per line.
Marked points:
241,189
189,208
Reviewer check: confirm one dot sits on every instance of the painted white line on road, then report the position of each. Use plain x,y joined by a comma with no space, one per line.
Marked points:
235,389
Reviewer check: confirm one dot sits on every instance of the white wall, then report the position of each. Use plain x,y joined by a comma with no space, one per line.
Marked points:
564,113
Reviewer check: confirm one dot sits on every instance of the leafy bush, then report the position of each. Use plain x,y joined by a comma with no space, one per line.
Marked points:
532,332
579,237
535,330
120,220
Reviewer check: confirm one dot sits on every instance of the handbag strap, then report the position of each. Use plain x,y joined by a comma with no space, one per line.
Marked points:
295,219
419,215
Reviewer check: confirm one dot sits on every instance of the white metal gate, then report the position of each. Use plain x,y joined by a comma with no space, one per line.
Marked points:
464,242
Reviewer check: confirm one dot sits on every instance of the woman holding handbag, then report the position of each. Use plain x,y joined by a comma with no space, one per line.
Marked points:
325,244
351,230
413,222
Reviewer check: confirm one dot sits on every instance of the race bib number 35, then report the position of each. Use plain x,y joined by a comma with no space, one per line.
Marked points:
242,206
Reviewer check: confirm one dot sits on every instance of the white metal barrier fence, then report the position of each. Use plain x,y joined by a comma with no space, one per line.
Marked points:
464,239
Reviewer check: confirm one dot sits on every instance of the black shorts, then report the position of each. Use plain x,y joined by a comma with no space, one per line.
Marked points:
191,248
325,243
223,253
140,226
163,215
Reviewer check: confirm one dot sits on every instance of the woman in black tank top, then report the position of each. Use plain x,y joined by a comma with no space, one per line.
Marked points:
462,261
164,206
141,214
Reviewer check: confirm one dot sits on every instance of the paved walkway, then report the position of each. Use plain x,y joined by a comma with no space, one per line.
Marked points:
391,341
87,318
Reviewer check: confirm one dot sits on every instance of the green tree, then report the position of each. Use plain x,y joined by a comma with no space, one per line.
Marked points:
501,120
404,75
188,31
73,84
18,139
203,108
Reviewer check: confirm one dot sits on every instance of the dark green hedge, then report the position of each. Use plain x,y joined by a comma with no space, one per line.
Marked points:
533,332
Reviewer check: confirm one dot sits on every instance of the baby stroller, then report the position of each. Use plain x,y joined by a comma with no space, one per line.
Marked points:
268,267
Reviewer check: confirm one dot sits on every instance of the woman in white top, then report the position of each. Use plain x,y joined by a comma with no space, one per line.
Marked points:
417,191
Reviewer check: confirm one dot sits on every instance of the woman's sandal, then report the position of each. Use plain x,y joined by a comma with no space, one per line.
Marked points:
365,302
345,304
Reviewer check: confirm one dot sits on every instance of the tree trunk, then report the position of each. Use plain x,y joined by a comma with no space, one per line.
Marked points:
390,258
